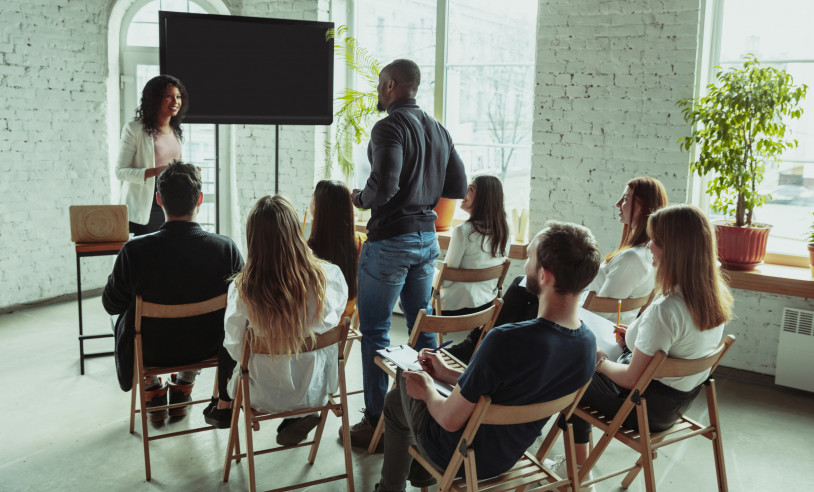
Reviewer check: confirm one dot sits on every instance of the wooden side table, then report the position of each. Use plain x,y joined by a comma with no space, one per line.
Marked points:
84,250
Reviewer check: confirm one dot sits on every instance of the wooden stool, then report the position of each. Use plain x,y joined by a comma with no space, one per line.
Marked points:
84,250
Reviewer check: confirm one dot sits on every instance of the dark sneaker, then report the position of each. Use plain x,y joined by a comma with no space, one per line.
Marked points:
361,433
419,476
156,397
180,392
294,430
220,418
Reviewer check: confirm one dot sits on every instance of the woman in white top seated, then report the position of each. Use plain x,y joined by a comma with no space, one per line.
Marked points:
628,272
480,242
686,322
284,295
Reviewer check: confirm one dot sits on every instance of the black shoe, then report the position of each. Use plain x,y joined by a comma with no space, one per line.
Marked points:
180,392
220,418
156,397
419,476
378,489
361,433
294,430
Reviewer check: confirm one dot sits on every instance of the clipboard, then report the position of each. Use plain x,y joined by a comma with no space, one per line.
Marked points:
405,358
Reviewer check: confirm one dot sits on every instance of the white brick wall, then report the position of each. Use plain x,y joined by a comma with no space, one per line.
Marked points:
608,76
53,142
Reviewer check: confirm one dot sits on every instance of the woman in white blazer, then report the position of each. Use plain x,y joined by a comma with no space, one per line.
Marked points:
148,144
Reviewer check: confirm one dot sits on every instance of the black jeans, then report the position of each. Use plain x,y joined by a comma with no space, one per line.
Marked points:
665,405
154,224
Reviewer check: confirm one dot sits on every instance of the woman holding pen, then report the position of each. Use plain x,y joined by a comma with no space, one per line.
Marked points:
686,322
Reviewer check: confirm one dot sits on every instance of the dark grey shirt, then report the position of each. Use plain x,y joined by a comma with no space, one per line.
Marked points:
413,164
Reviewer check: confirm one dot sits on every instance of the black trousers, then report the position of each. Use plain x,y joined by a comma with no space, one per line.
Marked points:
154,224
665,405
226,366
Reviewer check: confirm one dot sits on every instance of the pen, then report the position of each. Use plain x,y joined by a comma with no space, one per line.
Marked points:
436,349
619,313
303,221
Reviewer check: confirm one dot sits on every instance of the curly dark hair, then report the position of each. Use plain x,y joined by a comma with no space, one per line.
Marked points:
151,97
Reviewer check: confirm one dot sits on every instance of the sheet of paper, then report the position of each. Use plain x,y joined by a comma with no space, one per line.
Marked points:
405,358
603,331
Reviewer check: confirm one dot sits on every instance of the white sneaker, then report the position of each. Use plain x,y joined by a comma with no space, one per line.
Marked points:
557,465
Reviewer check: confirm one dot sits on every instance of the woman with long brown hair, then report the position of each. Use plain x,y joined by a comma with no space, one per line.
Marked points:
628,271
333,237
686,322
284,295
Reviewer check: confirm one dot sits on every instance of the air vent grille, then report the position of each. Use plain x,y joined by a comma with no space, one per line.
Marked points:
798,321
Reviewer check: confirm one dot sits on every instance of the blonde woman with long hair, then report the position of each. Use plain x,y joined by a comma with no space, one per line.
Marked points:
686,322
283,296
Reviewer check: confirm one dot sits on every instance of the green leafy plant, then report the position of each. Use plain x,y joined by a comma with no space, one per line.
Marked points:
739,127
356,108
811,231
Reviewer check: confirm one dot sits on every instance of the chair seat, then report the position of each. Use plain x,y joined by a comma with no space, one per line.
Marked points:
204,364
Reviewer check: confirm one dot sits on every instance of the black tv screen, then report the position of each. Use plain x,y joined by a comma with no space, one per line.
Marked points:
250,70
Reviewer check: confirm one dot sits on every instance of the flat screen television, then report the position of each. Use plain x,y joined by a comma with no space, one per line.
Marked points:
250,70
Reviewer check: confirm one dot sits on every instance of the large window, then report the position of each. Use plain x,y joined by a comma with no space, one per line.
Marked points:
140,64
486,92
779,33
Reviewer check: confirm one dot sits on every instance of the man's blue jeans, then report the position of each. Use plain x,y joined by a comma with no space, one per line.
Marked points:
400,266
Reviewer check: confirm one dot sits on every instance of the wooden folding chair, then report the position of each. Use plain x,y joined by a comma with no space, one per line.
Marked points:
141,371
449,274
597,304
336,336
425,323
529,470
646,443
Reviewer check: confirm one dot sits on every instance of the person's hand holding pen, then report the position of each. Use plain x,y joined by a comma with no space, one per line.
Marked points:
433,364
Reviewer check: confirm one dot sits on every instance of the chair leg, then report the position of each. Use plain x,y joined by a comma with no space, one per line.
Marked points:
570,457
471,471
312,455
377,434
343,400
248,417
133,391
717,443
234,433
645,448
144,436
632,474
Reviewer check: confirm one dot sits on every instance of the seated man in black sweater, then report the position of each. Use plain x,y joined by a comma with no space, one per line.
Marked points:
517,364
179,264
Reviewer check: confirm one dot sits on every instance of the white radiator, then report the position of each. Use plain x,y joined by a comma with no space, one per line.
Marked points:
795,354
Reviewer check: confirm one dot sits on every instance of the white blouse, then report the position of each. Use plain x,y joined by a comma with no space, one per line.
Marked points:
465,251
281,383
629,274
667,325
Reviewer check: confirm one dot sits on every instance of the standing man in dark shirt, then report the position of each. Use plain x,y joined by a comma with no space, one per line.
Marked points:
413,164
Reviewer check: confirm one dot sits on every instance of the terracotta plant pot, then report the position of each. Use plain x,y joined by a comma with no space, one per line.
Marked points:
741,248
444,210
811,258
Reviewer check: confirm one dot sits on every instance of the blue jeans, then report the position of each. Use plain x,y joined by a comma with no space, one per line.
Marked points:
401,266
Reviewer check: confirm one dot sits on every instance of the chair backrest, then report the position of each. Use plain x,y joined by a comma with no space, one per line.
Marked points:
597,304
146,309
484,319
450,274
675,368
509,415
337,334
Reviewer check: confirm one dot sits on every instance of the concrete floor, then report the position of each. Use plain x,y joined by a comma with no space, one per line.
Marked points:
64,431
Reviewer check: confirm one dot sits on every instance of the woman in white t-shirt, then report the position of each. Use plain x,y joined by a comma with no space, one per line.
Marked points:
480,242
283,296
686,322
628,271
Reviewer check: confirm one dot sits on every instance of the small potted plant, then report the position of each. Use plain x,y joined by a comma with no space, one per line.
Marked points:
738,128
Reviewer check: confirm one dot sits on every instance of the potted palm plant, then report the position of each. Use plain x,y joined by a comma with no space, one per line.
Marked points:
356,112
738,128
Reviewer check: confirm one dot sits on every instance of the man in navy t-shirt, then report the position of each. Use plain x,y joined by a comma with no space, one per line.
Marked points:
516,364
